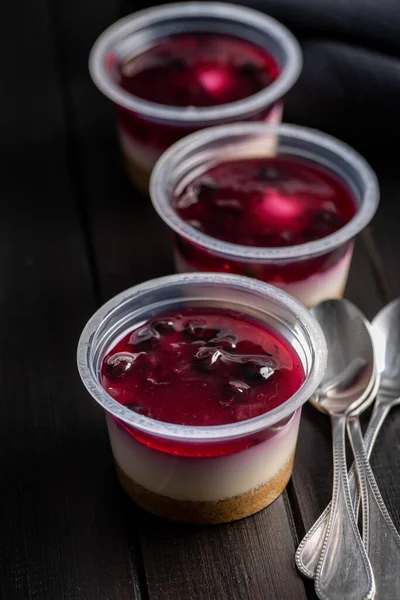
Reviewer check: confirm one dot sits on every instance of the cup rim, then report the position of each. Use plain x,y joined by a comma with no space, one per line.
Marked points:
309,324
175,155
191,115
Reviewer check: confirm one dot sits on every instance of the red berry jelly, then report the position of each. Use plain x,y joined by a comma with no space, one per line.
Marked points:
202,367
198,69
265,203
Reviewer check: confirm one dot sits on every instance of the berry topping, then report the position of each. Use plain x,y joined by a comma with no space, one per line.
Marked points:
198,69
202,367
266,202
144,339
119,365
198,330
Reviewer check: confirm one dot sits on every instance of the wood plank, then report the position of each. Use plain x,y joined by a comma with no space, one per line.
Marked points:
251,559
122,223
62,535
385,230
239,560
385,249
130,244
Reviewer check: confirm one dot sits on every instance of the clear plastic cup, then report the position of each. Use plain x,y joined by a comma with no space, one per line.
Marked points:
207,474
312,271
145,128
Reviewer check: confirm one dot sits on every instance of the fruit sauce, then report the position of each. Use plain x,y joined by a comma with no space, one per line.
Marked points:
201,367
198,69
265,203
191,70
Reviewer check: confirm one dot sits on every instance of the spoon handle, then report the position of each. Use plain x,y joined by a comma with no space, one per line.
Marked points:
344,570
379,533
309,550
379,414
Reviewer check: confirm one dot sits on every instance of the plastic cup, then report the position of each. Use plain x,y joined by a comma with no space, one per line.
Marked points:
146,129
207,474
311,272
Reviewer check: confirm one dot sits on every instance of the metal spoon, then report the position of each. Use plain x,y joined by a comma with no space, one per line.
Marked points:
344,570
381,538
386,337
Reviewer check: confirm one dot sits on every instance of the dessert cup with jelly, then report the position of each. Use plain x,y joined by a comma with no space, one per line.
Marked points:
177,68
282,204
202,378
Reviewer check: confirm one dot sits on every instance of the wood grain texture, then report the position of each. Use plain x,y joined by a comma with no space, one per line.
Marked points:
249,559
62,535
74,232
131,244
385,252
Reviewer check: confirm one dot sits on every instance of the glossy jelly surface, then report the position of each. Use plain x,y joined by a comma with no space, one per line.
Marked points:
266,202
202,367
197,69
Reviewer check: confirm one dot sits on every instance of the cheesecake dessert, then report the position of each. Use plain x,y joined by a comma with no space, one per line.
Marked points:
269,203
202,368
187,70
174,69
280,204
202,378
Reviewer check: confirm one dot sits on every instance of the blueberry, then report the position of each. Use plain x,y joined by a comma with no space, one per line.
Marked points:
235,390
266,173
253,74
177,63
323,223
196,330
226,341
326,218
163,326
208,359
249,70
144,339
119,365
206,189
256,372
147,362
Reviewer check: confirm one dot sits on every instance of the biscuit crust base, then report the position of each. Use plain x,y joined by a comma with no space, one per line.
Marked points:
208,512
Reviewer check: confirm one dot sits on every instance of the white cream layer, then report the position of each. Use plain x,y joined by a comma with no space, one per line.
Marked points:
145,158
203,479
321,286
310,291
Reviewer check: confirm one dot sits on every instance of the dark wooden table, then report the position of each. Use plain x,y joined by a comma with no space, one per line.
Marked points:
72,234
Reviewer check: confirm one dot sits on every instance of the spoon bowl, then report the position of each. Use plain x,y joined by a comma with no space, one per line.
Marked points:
386,337
343,570
350,372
